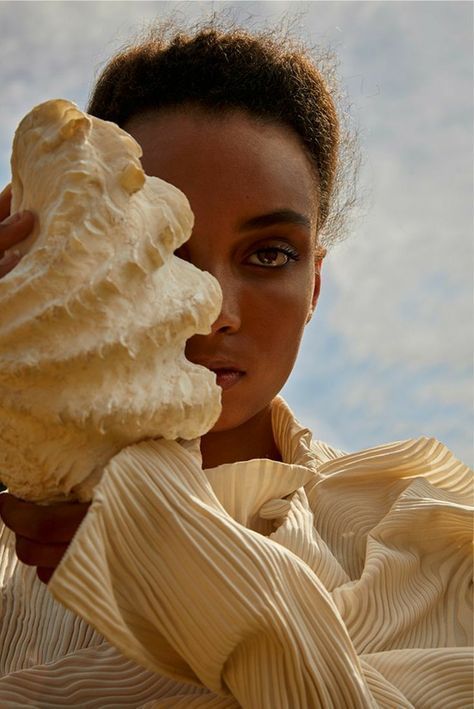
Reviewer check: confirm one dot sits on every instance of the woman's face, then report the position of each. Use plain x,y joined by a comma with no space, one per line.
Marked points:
253,195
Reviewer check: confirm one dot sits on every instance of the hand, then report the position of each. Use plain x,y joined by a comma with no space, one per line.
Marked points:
13,229
43,532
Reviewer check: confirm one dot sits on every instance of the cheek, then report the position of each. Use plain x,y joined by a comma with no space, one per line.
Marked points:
277,316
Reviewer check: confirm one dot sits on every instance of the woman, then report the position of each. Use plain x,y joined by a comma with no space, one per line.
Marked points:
287,574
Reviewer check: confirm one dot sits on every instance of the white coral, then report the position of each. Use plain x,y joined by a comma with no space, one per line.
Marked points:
94,319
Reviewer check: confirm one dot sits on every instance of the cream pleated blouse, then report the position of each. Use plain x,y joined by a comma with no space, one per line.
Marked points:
326,580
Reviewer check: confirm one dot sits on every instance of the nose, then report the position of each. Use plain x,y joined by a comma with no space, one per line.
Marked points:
229,319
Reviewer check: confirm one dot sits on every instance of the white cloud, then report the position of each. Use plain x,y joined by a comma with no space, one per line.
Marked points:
399,310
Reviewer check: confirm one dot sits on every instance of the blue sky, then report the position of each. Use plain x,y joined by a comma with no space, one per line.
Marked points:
388,354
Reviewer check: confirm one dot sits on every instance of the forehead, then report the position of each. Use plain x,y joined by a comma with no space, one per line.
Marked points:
233,159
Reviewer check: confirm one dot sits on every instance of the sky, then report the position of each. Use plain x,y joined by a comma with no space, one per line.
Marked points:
388,353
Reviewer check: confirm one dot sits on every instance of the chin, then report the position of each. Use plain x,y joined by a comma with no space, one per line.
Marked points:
233,412
237,409
226,422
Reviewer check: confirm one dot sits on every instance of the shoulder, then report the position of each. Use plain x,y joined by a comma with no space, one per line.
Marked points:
325,453
401,489
406,460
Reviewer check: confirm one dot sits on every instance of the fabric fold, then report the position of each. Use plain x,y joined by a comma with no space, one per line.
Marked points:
211,599
328,579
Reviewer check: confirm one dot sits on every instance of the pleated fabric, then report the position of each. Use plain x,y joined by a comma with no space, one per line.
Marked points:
325,580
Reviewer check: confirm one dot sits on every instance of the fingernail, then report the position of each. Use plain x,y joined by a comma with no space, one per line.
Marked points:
10,260
13,218
10,255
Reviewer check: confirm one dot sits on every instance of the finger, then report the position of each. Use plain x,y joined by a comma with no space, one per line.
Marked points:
3,497
9,264
5,201
14,229
33,554
44,524
44,574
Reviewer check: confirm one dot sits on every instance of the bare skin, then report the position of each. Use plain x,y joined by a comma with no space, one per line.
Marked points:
13,229
42,533
252,192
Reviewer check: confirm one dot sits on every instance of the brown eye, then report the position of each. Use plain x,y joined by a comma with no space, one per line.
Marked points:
273,257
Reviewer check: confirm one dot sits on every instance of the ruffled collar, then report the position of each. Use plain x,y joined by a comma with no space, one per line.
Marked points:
245,487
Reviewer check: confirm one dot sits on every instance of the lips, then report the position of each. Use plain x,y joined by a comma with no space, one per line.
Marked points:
227,372
226,378
216,364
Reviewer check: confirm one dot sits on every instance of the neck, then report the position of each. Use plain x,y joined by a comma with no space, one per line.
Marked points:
252,439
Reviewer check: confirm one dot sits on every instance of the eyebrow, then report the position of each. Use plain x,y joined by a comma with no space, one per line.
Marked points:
282,216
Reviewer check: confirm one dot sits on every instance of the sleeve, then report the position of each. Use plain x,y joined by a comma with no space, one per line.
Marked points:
171,580
397,520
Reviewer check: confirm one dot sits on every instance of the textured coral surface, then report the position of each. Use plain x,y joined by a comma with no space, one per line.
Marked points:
94,319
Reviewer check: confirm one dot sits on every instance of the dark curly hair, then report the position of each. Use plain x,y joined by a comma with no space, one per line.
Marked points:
272,78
